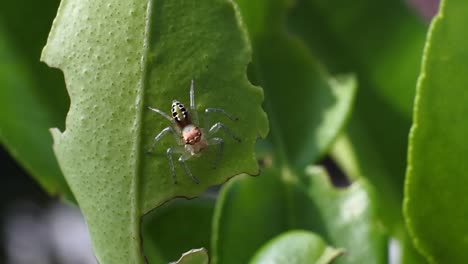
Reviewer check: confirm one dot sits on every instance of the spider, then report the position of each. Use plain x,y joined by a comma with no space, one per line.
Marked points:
192,139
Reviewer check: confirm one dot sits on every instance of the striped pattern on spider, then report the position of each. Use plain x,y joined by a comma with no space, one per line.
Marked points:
192,139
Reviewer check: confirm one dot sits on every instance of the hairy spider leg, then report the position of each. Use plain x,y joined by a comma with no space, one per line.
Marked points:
222,111
160,135
216,127
175,129
184,157
193,108
210,110
219,156
163,114
169,153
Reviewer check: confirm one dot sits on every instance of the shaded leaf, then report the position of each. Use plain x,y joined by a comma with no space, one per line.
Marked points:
344,218
371,38
119,57
306,106
352,160
177,227
32,96
248,213
382,42
297,247
307,109
436,201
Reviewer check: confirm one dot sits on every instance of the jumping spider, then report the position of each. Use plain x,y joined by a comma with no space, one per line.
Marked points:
191,138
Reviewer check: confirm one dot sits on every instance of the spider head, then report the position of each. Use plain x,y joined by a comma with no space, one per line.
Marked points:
191,134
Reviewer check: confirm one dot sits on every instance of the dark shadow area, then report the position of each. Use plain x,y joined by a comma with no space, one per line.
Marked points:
337,176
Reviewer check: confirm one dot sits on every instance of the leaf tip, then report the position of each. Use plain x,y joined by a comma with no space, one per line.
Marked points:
198,255
56,134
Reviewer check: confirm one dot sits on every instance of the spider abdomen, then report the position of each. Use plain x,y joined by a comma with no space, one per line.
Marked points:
180,114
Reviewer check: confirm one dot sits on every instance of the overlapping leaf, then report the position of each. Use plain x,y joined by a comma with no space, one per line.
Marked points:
177,227
297,247
303,102
307,107
32,96
382,42
119,57
246,218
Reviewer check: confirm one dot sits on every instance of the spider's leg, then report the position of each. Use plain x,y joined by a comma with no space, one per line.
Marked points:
169,153
206,118
222,111
220,153
193,107
163,114
160,135
182,160
215,128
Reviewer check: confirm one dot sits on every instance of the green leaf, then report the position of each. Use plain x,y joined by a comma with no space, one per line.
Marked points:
436,201
344,218
382,42
177,227
239,226
32,96
304,124
351,159
297,247
306,106
372,37
194,256
119,57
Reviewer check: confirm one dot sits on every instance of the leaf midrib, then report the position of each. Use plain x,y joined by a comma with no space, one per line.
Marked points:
140,99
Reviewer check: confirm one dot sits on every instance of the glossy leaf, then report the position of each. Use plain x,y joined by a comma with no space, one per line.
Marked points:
436,202
120,57
297,247
177,227
32,96
344,218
